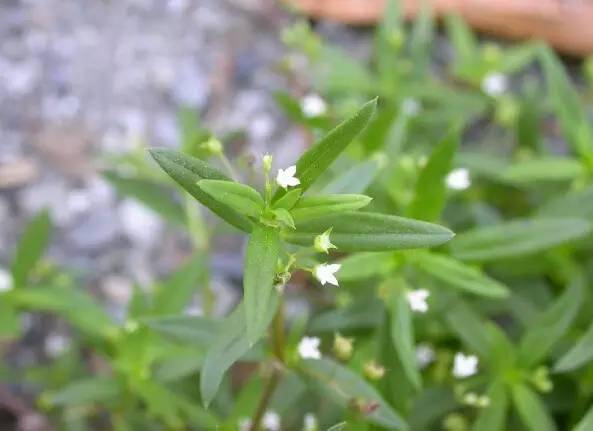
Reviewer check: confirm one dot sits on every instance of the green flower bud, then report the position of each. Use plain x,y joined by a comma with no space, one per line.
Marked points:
213,146
343,347
373,371
322,242
267,163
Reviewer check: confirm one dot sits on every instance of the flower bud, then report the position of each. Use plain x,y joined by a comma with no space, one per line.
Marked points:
541,379
213,146
343,347
374,371
322,242
267,162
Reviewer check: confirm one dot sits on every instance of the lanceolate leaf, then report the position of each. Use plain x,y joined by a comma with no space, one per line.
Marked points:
586,423
580,354
31,247
517,238
87,391
345,386
187,171
288,200
194,330
359,266
262,255
310,207
551,325
493,417
430,193
544,169
573,204
470,328
458,275
239,197
531,409
232,343
357,178
319,157
361,231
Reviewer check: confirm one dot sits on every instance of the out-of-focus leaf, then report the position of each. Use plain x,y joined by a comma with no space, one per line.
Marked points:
361,314
284,217
150,193
422,37
241,198
87,391
344,386
432,404
430,192
493,416
31,247
517,238
470,328
543,169
194,330
458,275
10,322
586,423
385,49
465,44
231,345
359,266
355,179
261,257
552,324
360,231
310,207
187,171
580,354
532,410
573,204
319,157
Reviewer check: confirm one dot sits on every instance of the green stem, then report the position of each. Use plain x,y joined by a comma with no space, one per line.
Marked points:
227,165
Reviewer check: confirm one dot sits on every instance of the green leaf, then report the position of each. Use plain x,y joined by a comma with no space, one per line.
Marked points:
402,330
87,391
552,324
361,314
239,197
194,330
355,179
470,328
289,199
543,169
465,45
517,238
187,171
458,275
493,417
284,217
573,204
359,266
531,409
31,247
422,38
345,386
580,354
232,343
360,231
310,207
10,322
152,194
430,192
386,51
586,423
263,250
319,157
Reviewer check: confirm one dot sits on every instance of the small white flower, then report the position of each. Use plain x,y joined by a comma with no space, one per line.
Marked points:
458,179
410,107
309,348
313,105
417,300
286,178
465,365
325,273
56,344
424,355
322,242
495,84
310,422
6,282
271,421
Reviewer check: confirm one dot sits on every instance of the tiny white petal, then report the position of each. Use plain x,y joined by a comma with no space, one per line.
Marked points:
6,282
313,105
290,171
494,84
308,348
417,300
310,422
458,179
424,355
410,107
286,178
465,365
271,421
325,273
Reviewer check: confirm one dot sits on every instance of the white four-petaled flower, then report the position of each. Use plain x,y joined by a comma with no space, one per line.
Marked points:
309,348
494,84
313,105
458,179
465,365
417,300
271,421
325,273
286,178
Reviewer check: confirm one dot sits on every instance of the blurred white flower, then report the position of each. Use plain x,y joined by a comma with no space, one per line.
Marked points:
309,348
495,84
310,422
244,424
325,273
410,107
56,344
313,105
6,282
417,300
458,179
465,365
271,421
424,354
322,242
286,178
